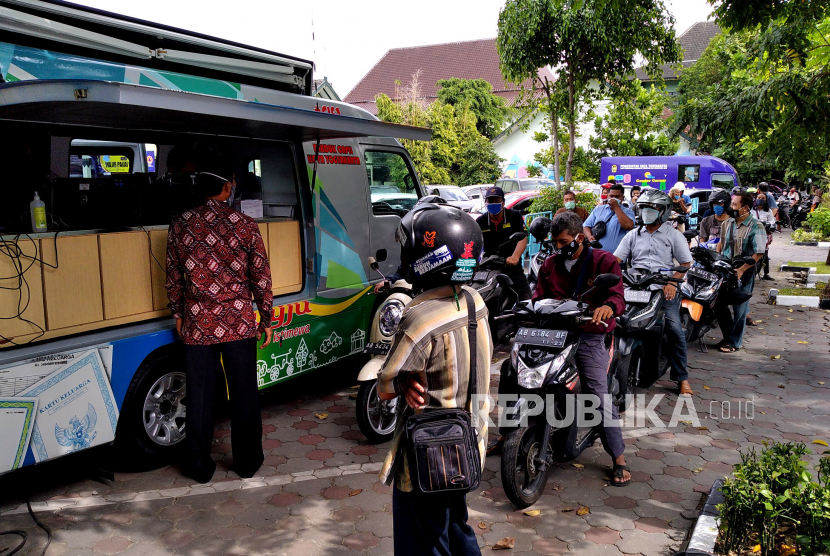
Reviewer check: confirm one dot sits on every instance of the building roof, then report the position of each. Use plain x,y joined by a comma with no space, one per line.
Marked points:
467,60
323,89
693,41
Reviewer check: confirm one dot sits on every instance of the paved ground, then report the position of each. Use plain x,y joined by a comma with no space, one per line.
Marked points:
318,491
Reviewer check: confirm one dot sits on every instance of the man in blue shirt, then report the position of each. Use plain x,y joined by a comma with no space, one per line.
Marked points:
618,220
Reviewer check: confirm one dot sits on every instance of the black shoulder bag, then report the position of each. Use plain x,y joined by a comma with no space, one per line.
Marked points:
599,229
441,444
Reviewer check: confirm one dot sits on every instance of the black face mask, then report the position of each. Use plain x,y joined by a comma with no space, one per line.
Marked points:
733,213
567,251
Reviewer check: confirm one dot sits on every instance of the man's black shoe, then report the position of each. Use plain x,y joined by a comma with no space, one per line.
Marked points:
201,472
767,277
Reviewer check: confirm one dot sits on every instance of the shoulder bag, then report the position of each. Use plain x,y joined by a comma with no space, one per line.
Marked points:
600,228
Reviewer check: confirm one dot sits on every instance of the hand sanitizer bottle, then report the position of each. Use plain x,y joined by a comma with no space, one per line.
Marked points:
38,210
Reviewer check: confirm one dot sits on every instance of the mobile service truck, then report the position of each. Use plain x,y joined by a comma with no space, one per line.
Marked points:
96,111
662,172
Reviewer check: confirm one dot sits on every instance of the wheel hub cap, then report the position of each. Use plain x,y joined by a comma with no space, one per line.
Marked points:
164,410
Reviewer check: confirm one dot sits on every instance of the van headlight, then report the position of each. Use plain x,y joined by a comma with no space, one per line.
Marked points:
534,377
390,316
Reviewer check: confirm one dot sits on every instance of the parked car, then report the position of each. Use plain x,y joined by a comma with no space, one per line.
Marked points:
454,196
477,192
523,184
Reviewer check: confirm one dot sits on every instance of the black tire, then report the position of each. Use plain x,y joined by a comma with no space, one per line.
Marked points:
523,488
161,374
376,428
625,379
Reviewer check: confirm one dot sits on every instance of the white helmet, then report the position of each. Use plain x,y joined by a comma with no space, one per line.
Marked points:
679,185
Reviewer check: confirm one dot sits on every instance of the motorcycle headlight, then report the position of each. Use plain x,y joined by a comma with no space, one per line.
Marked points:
390,317
708,293
534,377
687,289
649,310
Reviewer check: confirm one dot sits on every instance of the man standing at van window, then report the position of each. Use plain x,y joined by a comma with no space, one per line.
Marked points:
216,262
617,220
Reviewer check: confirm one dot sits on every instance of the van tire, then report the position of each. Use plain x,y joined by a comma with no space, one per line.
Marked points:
161,375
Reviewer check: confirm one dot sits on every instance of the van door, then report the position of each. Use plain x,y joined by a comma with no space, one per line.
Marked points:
393,191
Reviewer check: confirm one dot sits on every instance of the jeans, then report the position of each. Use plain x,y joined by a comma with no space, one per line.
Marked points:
732,326
202,369
676,339
431,525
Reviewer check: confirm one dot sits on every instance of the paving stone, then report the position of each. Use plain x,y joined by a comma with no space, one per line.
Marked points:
112,545
360,541
602,535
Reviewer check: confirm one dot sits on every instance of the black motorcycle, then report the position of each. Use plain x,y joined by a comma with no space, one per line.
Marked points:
543,359
800,212
496,289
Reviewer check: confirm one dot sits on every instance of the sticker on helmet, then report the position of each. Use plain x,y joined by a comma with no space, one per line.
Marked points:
462,275
468,250
432,260
429,239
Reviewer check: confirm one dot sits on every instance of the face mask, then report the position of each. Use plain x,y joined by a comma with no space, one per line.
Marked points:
570,205
676,197
649,215
760,203
733,213
494,208
568,250
718,210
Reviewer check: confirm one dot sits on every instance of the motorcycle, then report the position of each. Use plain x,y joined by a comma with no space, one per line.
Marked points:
800,212
784,210
545,251
543,358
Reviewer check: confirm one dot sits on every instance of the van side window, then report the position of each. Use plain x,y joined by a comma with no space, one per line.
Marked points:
724,181
392,185
689,173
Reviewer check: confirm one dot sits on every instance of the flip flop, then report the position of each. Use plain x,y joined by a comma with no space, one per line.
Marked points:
618,474
726,348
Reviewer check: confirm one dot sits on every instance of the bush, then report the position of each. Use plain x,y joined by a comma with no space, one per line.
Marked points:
803,235
819,221
550,200
771,499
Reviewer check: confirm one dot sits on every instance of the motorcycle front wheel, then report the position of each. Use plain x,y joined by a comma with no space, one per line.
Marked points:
521,477
376,418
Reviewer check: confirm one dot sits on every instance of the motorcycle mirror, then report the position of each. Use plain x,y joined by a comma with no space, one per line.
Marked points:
690,234
504,281
373,264
605,281
518,236
694,215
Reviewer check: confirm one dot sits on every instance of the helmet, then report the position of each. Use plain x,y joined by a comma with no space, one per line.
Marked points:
720,195
540,228
657,200
679,185
440,245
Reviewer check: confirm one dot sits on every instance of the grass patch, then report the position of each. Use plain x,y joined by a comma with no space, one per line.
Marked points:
817,291
821,268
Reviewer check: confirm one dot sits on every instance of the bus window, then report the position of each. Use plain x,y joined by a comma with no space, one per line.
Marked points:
723,181
689,173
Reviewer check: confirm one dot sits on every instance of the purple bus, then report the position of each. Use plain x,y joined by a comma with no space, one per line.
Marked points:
662,172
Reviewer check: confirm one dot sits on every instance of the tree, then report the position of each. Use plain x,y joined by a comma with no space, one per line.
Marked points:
480,163
592,46
634,124
477,94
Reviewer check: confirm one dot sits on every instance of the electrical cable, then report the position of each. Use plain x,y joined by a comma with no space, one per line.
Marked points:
150,242
25,535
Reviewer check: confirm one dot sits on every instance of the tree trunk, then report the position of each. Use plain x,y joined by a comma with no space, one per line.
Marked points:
571,130
555,135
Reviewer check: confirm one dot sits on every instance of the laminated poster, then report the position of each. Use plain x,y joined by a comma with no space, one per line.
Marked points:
17,418
76,408
17,377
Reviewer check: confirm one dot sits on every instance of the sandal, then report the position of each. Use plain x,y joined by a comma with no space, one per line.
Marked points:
684,389
495,446
618,474
726,348
721,344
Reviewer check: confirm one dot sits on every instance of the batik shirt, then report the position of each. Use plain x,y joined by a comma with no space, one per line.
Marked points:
432,343
216,264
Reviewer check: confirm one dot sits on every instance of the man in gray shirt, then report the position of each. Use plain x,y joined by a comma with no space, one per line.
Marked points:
653,248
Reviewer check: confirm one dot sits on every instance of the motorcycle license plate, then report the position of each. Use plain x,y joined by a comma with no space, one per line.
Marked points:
541,337
377,348
637,296
702,274
480,276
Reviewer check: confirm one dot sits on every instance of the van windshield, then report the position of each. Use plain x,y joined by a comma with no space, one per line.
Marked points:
391,183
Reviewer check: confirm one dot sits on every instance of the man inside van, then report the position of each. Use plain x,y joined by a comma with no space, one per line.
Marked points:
497,225
216,265
612,221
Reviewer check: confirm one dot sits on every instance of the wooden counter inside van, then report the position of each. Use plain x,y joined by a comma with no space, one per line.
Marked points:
107,279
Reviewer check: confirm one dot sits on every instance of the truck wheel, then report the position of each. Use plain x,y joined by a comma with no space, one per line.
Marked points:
151,427
375,418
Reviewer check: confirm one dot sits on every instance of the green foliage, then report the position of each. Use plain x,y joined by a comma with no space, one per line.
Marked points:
477,94
586,163
819,222
591,43
457,153
761,99
634,125
550,200
771,490
805,235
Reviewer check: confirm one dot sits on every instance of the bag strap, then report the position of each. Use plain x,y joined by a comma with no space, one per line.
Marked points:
472,332
583,271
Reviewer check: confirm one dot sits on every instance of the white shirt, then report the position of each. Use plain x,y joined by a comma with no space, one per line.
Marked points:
763,216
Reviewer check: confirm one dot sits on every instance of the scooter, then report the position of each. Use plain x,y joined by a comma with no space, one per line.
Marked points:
543,358
375,417
800,212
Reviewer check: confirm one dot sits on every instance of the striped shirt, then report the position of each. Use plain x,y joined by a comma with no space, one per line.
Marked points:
432,341
743,239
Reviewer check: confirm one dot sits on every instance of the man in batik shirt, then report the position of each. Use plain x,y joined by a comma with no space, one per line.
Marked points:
216,264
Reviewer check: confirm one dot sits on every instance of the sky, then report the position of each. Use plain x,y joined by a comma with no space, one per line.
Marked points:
348,37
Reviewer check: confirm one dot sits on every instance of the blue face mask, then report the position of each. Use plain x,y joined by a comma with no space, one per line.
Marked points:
718,210
494,208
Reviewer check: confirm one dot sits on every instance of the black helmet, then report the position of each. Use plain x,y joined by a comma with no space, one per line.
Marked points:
440,245
655,199
540,228
720,196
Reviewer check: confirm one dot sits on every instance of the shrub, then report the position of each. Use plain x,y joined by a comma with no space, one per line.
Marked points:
772,497
819,221
803,235
550,200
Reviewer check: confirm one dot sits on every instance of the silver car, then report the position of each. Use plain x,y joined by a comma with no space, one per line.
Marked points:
454,196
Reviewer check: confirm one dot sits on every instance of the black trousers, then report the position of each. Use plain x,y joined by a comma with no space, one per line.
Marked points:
520,284
431,525
203,370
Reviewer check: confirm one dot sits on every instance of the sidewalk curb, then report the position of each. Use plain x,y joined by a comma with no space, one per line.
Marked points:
811,243
705,532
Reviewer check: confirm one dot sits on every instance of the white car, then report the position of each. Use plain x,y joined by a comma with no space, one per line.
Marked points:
454,196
